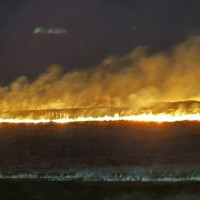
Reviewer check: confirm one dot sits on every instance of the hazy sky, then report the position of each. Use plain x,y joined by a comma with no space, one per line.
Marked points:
95,29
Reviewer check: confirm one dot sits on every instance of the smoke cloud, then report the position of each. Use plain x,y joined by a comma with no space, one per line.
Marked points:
134,81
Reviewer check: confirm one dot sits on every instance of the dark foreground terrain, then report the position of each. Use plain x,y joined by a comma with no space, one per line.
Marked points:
144,153
34,190
62,147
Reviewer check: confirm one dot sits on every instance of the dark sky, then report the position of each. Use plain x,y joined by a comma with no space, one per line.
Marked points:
96,29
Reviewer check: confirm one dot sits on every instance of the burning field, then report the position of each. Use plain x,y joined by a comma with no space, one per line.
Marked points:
162,87
135,117
100,100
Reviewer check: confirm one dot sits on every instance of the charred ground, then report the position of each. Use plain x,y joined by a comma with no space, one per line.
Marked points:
60,147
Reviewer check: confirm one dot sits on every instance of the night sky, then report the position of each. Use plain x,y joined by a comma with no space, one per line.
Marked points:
95,29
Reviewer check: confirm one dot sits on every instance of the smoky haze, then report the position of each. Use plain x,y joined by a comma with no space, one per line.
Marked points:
135,80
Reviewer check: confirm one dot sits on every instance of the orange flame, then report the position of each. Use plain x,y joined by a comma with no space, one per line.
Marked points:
159,118
137,87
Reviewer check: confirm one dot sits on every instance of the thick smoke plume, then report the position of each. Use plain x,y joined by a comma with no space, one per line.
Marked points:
134,81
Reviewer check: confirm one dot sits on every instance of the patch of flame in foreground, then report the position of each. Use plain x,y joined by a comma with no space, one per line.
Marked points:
159,118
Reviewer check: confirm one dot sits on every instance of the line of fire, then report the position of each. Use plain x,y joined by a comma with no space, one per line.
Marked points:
158,112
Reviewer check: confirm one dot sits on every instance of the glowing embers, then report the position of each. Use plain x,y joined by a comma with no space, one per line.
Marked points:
145,117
